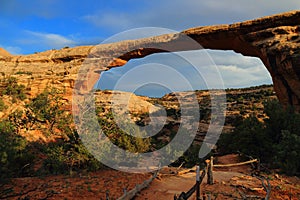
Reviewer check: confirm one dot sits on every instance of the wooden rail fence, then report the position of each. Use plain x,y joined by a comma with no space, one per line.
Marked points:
209,171
139,187
195,188
237,164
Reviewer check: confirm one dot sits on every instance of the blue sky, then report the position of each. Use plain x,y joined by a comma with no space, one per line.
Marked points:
34,26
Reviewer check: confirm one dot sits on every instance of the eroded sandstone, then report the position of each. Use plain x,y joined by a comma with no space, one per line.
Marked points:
273,39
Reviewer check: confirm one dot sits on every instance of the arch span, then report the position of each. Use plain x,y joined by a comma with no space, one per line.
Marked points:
274,39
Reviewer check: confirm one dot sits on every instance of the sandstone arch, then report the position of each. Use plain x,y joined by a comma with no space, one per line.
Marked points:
274,39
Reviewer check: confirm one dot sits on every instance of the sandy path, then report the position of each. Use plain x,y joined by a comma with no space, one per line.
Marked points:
168,186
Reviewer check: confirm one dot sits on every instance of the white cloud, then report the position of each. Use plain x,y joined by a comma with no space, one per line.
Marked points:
231,70
49,40
110,19
14,50
236,77
232,58
45,8
178,14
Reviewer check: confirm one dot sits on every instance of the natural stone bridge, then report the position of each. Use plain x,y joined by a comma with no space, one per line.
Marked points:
273,39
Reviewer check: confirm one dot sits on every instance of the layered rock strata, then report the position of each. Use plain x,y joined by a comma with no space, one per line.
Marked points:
274,39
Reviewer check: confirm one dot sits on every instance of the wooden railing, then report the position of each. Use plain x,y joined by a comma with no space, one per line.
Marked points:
237,164
195,188
199,178
210,180
139,187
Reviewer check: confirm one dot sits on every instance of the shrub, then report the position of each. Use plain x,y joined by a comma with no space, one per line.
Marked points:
13,89
249,138
66,157
2,105
288,153
15,159
275,141
47,113
23,72
49,109
122,137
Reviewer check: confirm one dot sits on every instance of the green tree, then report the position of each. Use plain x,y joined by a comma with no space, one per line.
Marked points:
275,141
15,159
249,138
68,156
122,137
288,153
2,105
49,109
13,89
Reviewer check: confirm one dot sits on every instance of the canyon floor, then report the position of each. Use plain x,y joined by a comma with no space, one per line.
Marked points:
229,183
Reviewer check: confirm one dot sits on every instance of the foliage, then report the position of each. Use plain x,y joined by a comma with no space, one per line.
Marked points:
13,89
2,105
190,158
68,154
49,109
251,135
67,157
47,113
122,137
275,141
288,153
15,158
23,72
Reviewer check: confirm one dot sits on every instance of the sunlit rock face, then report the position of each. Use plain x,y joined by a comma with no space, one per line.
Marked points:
273,39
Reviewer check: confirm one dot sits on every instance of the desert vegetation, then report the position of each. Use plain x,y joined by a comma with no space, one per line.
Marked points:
256,125
275,140
263,130
45,114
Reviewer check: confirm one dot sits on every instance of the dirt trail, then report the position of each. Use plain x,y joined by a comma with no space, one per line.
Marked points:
168,186
229,183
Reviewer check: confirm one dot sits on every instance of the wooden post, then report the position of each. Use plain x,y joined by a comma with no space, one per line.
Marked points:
175,196
107,195
208,196
198,183
210,179
258,166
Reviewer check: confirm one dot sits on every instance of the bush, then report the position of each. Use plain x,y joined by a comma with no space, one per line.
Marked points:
47,113
66,157
122,137
48,109
190,157
276,141
249,138
13,89
2,105
15,158
288,153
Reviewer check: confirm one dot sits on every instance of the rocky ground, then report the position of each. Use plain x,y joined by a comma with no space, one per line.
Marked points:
270,38
97,185
229,183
